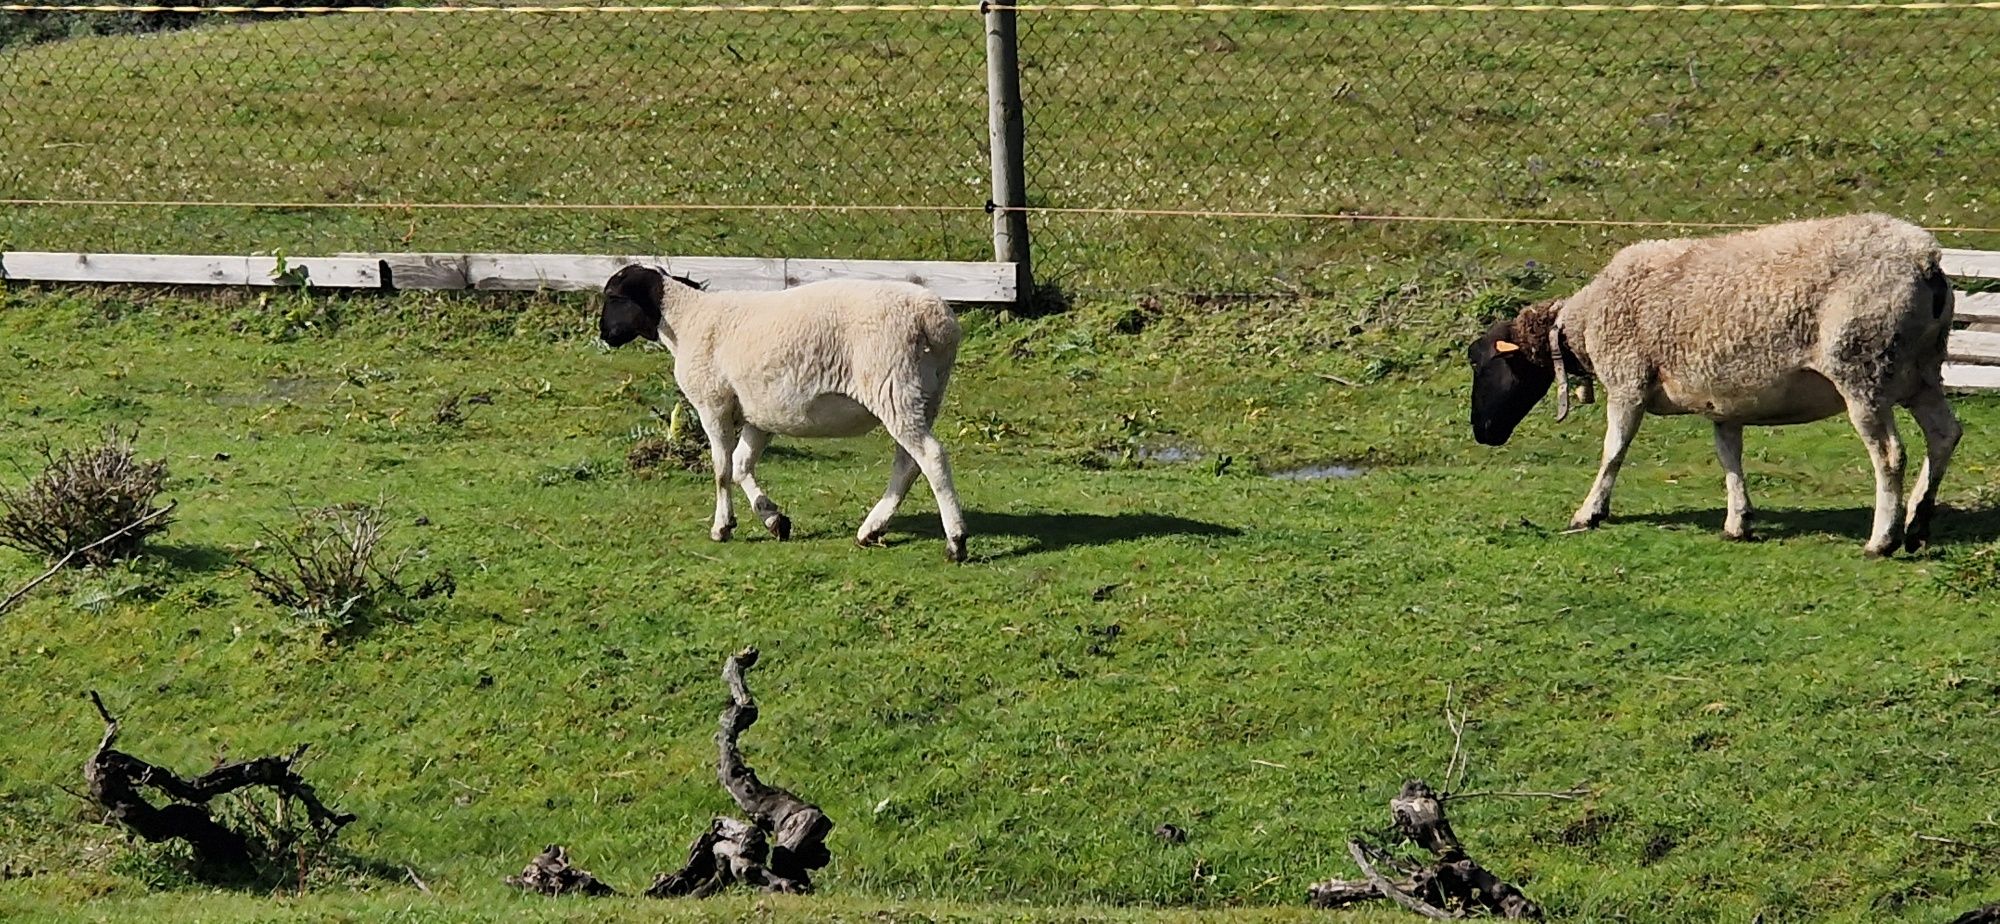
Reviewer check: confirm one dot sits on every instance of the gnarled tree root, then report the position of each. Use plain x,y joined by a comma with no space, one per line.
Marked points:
1449,887
775,851
785,838
115,781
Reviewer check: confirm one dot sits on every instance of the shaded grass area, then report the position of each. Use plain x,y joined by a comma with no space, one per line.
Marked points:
1675,117
1768,728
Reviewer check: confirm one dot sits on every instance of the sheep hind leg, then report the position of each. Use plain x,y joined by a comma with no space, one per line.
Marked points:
721,439
902,474
929,454
1877,426
1729,451
749,448
1941,434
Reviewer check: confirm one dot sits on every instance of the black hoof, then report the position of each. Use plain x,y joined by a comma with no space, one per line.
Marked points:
871,541
954,549
780,527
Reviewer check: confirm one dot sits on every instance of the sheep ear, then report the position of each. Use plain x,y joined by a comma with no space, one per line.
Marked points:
632,300
1506,346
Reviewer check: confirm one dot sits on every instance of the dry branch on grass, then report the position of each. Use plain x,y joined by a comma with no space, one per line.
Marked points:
775,851
94,505
550,873
64,561
115,781
1450,886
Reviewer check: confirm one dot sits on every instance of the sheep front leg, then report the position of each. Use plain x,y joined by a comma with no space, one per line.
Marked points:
721,434
1877,426
930,457
749,448
1729,451
1941,433
1621,423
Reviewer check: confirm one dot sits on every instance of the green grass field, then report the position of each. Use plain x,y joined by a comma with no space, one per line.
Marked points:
1780,728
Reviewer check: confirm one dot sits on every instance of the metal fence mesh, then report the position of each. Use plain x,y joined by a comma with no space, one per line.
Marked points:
1667,116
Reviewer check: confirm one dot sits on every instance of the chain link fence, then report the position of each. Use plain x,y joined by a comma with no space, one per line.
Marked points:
1160,143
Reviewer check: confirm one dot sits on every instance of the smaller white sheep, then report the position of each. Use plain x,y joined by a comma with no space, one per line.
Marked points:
828,359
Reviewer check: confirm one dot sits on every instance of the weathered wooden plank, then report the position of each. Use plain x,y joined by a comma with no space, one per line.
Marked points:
1976,307
959,282
583,272
984,282
323,272
183,269
726,274
955,281
424,270
124,267
1962,375
1981,264
1973,346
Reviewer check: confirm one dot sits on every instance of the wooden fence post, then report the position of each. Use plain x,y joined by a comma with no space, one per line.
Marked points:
1005,132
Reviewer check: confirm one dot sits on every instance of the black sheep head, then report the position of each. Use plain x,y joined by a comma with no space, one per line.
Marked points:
1508,377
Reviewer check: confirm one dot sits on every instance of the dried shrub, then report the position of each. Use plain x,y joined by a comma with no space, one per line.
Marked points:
82,496
334,572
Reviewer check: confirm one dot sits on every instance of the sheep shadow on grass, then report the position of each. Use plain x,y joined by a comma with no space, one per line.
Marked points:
1953,525
1053,532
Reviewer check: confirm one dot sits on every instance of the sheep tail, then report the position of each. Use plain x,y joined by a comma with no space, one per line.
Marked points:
1940,287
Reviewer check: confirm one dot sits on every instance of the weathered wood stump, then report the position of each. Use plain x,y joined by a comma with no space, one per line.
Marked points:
775,851
785,838
550,873
1449,887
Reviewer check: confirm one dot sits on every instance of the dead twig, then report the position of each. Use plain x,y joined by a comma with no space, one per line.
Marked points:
1567,795
1389,890
1457,725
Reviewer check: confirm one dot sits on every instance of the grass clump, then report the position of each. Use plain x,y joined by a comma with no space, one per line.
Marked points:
334,572
678,446
1973,575
83,496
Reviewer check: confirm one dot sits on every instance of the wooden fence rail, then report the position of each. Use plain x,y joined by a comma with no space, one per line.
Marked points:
954,281
1974,350
1973,354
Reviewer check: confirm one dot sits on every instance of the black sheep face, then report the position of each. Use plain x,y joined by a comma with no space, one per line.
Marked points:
1506,384
632,300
